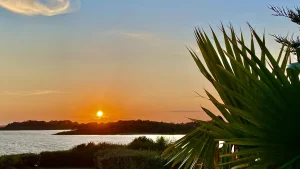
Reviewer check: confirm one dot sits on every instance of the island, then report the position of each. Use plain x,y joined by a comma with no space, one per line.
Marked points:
42,125
111,128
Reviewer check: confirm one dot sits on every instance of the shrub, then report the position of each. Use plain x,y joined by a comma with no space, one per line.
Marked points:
95,147
18,161
67,159
128,159
79,156
162,143
144,143
83,155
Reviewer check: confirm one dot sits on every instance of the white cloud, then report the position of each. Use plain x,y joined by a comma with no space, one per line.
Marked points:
32,93
40,7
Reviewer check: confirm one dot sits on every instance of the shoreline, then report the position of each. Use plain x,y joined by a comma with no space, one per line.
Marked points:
89,155
112,134
121,134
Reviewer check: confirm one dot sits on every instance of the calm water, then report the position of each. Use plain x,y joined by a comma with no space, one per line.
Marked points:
16,142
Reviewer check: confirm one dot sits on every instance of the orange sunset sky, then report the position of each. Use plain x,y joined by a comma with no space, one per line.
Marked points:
69,59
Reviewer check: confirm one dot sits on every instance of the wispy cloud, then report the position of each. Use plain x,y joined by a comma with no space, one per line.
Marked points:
134,35
38,7
185,111
32,93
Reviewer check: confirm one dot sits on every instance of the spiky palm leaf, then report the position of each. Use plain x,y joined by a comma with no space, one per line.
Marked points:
260,106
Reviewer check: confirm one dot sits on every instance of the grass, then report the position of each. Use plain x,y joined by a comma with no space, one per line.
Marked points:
66,168
79,156
18,161
83,156
128,159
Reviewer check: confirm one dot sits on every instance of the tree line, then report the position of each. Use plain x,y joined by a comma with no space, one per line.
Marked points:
119,127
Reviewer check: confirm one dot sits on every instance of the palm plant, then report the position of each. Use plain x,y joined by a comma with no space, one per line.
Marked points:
260,107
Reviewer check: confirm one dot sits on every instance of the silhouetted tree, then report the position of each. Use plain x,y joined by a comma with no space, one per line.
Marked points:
119,127
294,16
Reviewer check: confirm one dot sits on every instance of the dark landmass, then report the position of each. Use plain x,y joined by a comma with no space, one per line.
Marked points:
42,125
111,128
132,127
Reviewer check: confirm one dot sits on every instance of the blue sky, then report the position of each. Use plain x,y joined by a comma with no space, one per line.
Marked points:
127,58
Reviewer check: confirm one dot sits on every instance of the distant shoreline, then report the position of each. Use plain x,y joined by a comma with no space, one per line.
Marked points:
68,134
62,134
130,127
2,129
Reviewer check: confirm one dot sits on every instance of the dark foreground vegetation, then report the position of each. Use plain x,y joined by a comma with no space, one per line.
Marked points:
120,127
141,153
259,103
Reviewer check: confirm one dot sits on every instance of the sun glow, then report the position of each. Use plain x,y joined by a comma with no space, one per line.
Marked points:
99,113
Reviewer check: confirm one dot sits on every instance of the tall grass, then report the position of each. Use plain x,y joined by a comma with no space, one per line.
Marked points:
84,155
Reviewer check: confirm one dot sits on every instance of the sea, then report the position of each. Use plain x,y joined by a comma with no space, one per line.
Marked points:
36,141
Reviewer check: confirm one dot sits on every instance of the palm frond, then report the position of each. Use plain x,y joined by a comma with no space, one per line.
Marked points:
259,106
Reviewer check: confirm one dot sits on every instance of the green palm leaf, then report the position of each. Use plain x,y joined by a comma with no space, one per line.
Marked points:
259,106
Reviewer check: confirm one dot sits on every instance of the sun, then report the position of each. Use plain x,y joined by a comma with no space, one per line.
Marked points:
99,113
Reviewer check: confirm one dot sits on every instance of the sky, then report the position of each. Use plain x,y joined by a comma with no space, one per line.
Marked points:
67,59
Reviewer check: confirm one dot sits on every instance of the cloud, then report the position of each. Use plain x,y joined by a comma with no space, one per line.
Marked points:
32,93
40,7
185,111
134,35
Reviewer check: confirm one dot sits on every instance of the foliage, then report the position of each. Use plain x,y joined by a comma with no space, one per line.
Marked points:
144,143
119,127
79,156
259,105
294,16
41,125
162,143
95,147
128,159
18,161
132,127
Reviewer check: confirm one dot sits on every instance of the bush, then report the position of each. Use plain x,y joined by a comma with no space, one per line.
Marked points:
92,147
19,161
79,156
162,143
122,158
144,143
83,155
67,159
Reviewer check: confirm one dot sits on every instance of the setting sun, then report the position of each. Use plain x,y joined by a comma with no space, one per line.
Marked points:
99,113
